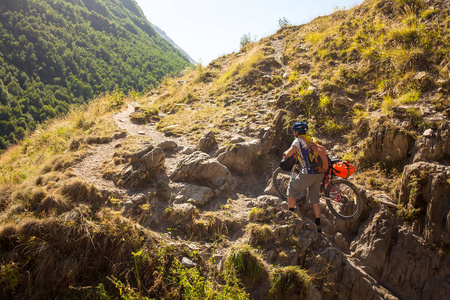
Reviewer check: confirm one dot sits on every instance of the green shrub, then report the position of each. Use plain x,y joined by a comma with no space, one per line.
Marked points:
260,234
290,280
409,98
9,277
243,261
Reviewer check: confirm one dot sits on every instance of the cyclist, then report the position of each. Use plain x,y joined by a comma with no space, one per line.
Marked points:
307,179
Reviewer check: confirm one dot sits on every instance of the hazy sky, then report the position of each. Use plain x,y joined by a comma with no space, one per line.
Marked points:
207,29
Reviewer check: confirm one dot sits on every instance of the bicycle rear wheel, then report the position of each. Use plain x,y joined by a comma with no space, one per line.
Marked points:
343,199
280,181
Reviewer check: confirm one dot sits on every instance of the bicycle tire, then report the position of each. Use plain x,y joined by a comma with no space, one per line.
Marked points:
280,181
350,206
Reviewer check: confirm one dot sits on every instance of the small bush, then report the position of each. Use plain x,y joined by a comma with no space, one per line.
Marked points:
290,280
243,261
246,39
9,277
405,35
409,98
330,127
256,214
324,102
260,234
283,22
409,213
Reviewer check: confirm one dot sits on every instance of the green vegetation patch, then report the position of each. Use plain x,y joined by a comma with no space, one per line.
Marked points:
245,262
59,53
291,280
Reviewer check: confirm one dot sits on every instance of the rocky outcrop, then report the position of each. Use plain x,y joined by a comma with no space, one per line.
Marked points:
241,157
295,241
433,145
388,144
425,192
199,168
393,254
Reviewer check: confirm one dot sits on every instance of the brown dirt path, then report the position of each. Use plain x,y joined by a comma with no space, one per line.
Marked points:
90,168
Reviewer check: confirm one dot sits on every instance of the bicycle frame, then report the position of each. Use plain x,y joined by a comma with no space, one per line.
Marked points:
327,180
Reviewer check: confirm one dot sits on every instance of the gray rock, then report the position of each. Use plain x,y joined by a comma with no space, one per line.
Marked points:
145,161
389,144
208,142
168,145
433,146
428,133
199,168
425,187
188,263
154,158
187,150
237,139
197,194
241,157
135,201
341,242
343,101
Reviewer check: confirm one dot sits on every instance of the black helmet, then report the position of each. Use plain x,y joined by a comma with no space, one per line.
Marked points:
300,127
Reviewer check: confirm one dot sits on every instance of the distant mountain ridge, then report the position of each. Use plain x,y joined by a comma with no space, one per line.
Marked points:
163,34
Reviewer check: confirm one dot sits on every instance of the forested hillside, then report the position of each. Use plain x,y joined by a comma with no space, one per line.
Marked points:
54,53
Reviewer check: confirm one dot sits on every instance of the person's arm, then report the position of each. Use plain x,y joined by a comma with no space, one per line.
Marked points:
289,152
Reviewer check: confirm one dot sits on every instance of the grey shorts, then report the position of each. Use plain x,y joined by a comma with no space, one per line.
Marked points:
303,182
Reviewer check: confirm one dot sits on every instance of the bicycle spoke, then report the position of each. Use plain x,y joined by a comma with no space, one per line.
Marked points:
280,181
343,200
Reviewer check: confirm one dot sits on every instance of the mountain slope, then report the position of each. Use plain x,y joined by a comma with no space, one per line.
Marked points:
167,38
170,196
60,52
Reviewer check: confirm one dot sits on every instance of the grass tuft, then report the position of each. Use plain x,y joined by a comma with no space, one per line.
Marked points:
244,261
291,280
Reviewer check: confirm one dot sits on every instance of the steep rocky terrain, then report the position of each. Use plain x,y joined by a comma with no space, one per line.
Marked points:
169,195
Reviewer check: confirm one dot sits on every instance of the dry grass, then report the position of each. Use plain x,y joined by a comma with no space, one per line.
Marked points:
260,234
49,145
288,281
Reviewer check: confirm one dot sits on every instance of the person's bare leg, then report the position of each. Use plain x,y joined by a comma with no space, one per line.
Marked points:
316,210
291,203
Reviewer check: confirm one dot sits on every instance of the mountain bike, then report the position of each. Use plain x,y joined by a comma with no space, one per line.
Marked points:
341,196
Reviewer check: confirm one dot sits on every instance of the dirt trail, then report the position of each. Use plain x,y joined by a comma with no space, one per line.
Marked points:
90,168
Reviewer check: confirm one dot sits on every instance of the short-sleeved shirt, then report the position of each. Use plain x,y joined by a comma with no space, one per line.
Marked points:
303,153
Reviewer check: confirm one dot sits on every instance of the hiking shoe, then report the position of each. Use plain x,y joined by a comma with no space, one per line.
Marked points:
319,229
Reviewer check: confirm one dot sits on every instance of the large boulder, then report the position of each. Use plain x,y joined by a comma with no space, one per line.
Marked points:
425,191
241,157
433,145
388,144
199,168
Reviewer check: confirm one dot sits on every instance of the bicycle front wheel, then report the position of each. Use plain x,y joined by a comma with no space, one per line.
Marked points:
343,200
280,181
